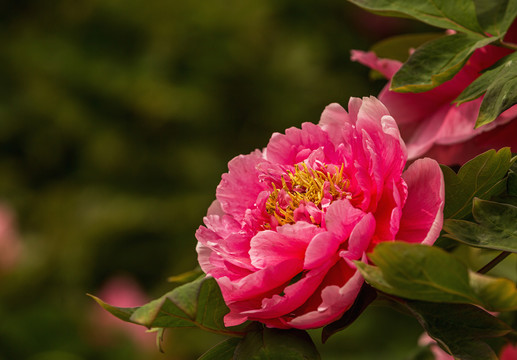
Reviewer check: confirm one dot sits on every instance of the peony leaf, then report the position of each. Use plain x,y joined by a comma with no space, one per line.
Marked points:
272,344
496,228
222,351
426,273
512,179
186,276
495,17
398,47
500,95
437,61
459,329
446,14
198,303
482,177
479,86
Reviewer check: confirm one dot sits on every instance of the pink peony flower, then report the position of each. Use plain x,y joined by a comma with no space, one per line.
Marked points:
289,220
431,125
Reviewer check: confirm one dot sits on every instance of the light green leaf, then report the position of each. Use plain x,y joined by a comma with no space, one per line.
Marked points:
496,228
198,303
500,95
436,61
222,351
426,273
186,276
398,47
457,15
276,344
459,329
479,86
482,177
495,17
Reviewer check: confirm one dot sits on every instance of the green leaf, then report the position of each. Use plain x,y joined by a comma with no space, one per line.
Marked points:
186,276
272,344
459,329
479,86
482,177
398,47
495,17
496,228
426,273
500,95
457,15
222,351
198,303
512,179
436,61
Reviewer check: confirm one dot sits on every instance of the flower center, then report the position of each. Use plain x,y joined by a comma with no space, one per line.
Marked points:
306,186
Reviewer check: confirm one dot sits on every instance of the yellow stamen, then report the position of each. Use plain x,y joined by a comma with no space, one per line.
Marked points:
308,185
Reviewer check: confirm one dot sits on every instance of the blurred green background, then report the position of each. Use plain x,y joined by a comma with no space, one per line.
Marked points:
117,119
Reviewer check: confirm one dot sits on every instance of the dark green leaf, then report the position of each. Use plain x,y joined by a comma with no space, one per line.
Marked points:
436,61
222,351
495,17
198,303
365,297
500,95
496,228
457,15
459,329
420,272
479,86
398,47
512,179
273,344
482,177
122,313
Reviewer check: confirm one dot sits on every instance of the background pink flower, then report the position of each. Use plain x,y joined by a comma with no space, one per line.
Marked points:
431,125
289,220
10,245
121,291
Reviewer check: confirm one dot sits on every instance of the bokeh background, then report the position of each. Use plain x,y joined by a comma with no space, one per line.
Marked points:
117,119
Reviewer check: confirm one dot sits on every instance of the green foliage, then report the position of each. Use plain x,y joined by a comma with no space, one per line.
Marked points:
496,226
436,61
420,272
198,303
495,17
459,329
457,15
482,177
275,344
222,351
397,47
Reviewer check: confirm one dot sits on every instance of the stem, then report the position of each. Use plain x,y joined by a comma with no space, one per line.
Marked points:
494,262
508,45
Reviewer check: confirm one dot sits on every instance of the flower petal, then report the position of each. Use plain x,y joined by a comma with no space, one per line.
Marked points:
422,215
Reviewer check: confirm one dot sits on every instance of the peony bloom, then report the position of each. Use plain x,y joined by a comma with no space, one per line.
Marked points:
431,125
289,220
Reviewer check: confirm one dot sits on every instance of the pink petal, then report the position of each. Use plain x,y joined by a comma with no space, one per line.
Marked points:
422,215
239,188
386,67
297,144
335,299
269,248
